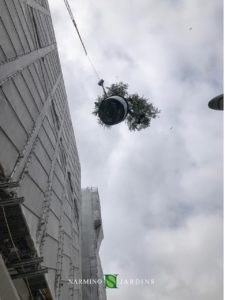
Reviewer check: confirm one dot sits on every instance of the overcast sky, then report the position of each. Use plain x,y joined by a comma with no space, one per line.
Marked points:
160,188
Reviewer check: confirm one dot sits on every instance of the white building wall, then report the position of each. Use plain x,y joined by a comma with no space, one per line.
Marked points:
92,236
38,148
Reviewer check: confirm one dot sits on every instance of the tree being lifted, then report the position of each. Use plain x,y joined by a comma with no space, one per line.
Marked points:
117,105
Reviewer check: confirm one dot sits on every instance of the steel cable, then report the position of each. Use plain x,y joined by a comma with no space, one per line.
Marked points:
79,35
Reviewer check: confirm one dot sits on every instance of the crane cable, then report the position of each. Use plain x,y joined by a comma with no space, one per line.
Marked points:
84,48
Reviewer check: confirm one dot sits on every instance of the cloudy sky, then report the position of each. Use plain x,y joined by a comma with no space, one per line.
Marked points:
160,188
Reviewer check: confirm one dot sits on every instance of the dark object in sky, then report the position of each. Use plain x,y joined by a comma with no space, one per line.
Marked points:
113,110
216,103
117,105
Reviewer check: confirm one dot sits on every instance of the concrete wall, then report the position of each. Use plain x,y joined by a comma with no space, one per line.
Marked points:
37,146
92,236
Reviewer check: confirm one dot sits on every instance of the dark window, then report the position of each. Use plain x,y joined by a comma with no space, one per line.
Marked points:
55,116
76,209
70,181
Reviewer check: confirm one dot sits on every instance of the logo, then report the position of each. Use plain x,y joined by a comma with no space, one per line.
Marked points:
111,281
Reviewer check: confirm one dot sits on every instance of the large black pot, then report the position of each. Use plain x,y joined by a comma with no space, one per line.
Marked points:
113,110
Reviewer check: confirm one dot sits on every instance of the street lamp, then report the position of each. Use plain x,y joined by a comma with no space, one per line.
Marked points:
216,103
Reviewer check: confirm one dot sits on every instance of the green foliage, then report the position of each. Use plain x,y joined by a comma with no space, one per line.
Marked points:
140,112
95,112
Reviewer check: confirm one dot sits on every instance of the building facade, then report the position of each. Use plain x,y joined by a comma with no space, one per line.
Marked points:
40,195
91,237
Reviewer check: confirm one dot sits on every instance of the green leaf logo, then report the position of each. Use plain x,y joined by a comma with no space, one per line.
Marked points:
111,281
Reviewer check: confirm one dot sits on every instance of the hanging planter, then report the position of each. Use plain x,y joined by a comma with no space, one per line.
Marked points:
117,105
113,110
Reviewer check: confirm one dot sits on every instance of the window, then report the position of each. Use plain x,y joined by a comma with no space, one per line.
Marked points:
70,181
55,116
